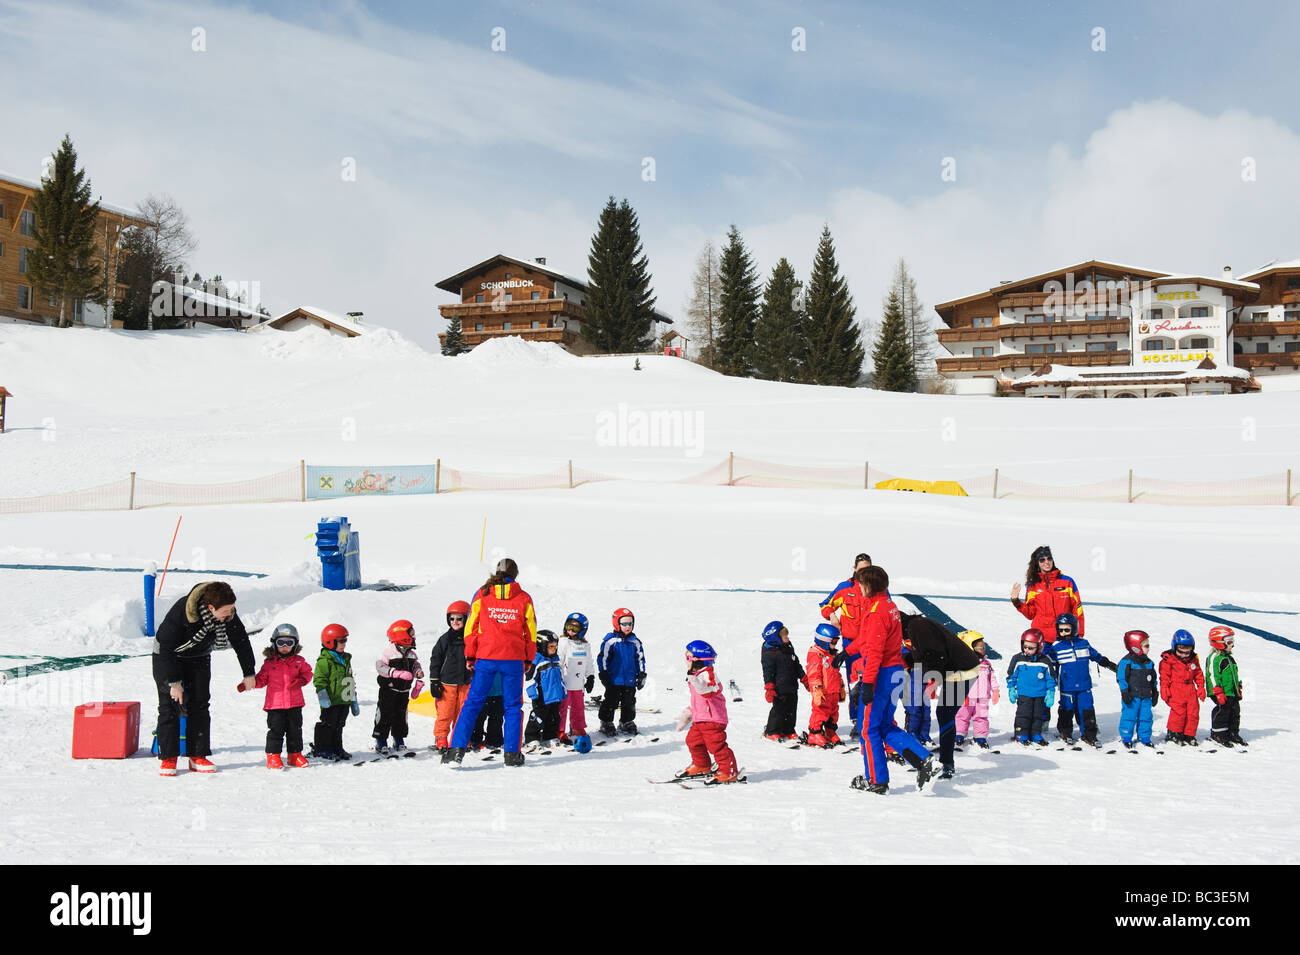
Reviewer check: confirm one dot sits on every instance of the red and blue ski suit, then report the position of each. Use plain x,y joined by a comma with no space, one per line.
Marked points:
500,636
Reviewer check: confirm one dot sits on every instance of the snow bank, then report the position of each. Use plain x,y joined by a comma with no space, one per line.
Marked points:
511,351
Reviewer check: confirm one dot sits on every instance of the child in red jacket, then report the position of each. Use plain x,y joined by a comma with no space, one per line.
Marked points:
827,688
1182,687
283,674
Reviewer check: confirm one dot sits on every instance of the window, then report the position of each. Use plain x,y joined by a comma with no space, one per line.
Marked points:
535,296
1291,346
1153,344
984,352
1286,316
478,326
27,222
505,326
2,210
1261,348
1040,349
1198,311
507,276
22,260
1196,343
510,297
1154,315
25,296
2,245
1166,394
53,303
478,299
985,322
1036,318
1292,282
1102,346
535,325
1097,317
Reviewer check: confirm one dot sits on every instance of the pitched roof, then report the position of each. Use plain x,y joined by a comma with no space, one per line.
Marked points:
344,324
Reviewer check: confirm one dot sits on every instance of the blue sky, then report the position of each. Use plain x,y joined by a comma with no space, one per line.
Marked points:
1062,152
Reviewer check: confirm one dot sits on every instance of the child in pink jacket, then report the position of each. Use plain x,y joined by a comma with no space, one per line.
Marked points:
707,738
284,674
974,713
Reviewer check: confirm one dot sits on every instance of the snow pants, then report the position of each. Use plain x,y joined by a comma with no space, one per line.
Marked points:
1184,716
544,723
1135,715
196,675
781,717
1226,718
488,724
512,692
1077,706
573,713
1031,714
283,726
448,707
972,720
916,705
708,744
827,712
876,717
327,737
390,714
621,698
952,694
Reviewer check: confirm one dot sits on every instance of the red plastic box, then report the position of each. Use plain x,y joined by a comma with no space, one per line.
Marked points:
105,730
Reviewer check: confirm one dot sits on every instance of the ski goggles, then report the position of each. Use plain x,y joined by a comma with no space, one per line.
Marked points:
456,617
625,621
573,627
285,642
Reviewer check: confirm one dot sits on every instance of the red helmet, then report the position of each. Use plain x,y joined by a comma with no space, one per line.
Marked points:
1133,641
1032,635
332,634
1219,637
623,612
459,607
402,633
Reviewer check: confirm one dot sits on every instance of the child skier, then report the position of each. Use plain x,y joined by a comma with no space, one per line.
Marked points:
579,678
546,690
400,679
1073,655
707,739
336,691
826,686
1182,687
1136,675
916,695
448,676
782,674
1031,685
284,673
973,715
621,666
1224,684
489,725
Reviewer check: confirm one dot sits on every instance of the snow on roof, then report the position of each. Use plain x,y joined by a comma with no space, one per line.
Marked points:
218,301
36,186
1272,266
1201,279
349,325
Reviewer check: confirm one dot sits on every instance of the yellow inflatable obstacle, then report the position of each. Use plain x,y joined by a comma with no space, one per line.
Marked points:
424,705
925,487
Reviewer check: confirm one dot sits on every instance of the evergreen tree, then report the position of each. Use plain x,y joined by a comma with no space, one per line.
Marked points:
778,335
922,340
738,307
833,350
64,262
892,353
704,308
620,302
453,343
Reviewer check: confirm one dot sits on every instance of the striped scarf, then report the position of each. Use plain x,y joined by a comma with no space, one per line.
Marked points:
211,623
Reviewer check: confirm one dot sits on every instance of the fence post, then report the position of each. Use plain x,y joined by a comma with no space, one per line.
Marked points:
130,500
1130,485
437,475
995,484
731,464
570,475
1288,487
302,479
866,475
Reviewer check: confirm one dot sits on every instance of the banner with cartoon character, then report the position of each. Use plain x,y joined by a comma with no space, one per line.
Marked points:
325,481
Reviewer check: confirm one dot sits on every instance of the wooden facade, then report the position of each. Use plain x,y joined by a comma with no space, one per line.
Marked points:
19,298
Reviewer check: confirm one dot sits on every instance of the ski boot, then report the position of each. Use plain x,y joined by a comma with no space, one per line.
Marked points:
440,743
774,737
564,739
273,761
1039,740
1023,739
399,745
816,739
721,778
981,742
833,739
1237,740
1147,743
342,756
925,769
693,770
1129,745
1066,738
947,772
381,745
959,741
514,759
1178,739
860,783
1222,739
201,764
607,729
453,755
298,761
167,767
628,727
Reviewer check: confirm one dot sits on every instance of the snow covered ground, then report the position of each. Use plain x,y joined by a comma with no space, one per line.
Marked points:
692,561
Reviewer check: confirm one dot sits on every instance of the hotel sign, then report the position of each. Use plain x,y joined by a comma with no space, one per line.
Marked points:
509,283
1174,296
1162,357
1174,325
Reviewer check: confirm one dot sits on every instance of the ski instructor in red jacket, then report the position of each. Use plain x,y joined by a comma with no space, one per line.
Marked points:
1048,594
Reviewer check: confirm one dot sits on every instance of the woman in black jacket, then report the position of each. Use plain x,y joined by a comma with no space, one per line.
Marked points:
182,670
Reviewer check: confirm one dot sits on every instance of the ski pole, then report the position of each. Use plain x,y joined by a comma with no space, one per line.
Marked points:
482,542
169,555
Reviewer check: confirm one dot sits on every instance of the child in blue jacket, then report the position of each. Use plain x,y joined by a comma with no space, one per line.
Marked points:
621,668
1031,685
1136,675
546,690
1073,657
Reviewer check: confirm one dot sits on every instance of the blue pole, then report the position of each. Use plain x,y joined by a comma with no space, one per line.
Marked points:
150,574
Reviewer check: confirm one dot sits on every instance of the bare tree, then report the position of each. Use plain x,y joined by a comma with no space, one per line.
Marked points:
921,336
702,312
170,228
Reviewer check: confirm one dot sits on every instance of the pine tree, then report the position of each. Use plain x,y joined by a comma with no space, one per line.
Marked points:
892,353
833,350
453,343
620,303
704,308
922,340
64,262
738,307
778,334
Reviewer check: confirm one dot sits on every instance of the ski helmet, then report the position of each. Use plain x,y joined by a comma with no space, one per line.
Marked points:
286,631
772,634
402,633
1220,637
1032,635
1182,638
544,639
619,614
826,635
971,637
332,634
1133,641
697,651
580,620
1067,620
458,607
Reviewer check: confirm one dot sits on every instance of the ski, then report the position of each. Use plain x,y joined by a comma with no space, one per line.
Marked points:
711,781
652,739
679,777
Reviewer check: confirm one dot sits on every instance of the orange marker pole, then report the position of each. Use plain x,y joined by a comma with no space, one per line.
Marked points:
169,555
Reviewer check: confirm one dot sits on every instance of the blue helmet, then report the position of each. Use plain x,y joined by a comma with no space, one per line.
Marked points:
1182,638
826,635
700,652
772,634
582,744
1069,620
581,621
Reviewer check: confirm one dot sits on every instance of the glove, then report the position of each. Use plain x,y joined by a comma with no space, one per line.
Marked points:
1126,696
323,698
931,690
1219,696
769,692
683,719
416,689
435,689
1200,695
239,687
528,670
818,695
1049,699
1154,701
605,679
1240,694
1011,694
401,674
356,708
640,681
868,690
591,681
996,696
1112,667
839,659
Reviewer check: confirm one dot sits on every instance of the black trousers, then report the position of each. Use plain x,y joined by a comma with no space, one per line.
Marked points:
783,714
621,698
284,726
196,675
1031,713
952,694
1225,718
328,734
489,727
543,722
390,714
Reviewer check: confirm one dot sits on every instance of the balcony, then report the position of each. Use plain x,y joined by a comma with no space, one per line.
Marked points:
1291,296
1116,326
550,306
1290,359
1264,329
1010,361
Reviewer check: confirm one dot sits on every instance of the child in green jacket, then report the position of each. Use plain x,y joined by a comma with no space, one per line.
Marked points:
1223,683
336,692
